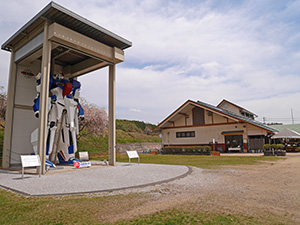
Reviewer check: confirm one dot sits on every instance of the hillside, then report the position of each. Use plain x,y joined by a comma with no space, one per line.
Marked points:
134,126
128,131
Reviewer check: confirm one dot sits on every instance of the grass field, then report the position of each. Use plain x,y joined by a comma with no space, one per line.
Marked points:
97,209
16,209
198,161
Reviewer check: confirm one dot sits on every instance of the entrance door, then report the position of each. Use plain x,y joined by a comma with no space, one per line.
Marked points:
234,142
256,142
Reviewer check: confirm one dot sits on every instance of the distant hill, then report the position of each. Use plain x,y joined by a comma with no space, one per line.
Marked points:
134,126
128,131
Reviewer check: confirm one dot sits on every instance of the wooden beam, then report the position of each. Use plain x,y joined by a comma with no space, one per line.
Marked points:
83,67
73,39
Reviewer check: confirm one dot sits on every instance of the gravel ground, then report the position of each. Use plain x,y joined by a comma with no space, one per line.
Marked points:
268,192
89,180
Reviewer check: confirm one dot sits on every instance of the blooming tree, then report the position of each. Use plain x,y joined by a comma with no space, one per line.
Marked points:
95,119
3,101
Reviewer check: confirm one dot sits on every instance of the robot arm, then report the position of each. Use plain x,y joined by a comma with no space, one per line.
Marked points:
36,106
80,110
76,92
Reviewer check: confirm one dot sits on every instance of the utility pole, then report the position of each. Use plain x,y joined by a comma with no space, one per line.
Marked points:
292,116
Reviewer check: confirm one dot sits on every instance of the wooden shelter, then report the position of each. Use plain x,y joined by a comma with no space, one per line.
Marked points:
56,40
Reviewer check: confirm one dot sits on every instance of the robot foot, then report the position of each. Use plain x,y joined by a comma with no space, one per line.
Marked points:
68,162
49,165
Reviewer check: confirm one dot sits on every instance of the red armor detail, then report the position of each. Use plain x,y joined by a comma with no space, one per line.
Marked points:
67,89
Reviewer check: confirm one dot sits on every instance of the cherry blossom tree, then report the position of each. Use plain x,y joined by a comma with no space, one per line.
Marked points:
3,101
95,120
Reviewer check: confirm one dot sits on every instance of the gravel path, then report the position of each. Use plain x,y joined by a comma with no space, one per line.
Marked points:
90,180
268,190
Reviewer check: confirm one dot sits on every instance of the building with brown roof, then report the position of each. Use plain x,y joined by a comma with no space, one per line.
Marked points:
226,127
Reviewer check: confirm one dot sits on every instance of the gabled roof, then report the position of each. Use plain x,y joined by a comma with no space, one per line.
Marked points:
293,127
286,133
58,14
237,106
190,104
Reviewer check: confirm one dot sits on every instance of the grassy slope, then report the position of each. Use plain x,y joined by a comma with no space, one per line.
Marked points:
127,132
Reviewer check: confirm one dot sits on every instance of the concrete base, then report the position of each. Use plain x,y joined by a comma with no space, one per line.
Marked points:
67,180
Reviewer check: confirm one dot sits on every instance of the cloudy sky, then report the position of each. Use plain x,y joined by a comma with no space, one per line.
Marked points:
247,52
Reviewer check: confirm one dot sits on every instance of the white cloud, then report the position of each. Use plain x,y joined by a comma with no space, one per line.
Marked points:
135,110
247,52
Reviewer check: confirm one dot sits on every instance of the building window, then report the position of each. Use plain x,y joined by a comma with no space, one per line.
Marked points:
198,116
185,134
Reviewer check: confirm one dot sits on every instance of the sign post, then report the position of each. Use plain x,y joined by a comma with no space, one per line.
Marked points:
132,155
31,161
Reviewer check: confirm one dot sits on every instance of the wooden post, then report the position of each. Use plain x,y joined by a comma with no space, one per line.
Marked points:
9,112
112,116
44,93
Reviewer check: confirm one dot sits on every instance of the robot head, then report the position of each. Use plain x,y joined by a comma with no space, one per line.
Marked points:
58,76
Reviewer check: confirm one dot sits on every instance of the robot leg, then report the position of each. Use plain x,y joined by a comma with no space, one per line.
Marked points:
34,142
71,106
50,139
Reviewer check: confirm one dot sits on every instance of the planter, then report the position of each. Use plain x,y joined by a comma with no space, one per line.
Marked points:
281,153
201,150
268,153
216,153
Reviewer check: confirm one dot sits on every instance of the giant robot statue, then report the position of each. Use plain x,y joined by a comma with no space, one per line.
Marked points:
63,114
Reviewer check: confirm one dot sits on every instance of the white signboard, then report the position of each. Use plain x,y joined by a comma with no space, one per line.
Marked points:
132,155
30,161
84,156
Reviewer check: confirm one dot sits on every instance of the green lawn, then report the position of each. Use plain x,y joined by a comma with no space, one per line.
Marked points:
198,161
179,217
16,209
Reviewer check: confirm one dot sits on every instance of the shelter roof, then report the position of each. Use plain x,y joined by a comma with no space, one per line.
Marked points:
286,133
189,104
294,127
58,14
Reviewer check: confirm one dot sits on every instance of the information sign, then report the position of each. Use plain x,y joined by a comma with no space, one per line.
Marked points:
132,155
30,161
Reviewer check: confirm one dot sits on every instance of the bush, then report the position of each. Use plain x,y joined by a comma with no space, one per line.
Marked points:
187,150
280,146
266,147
